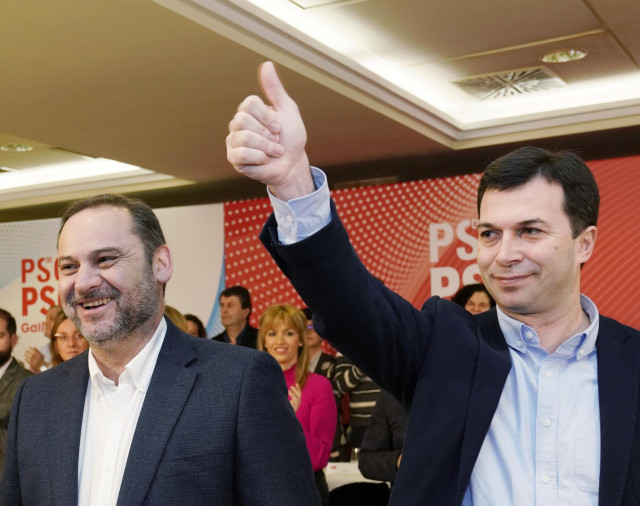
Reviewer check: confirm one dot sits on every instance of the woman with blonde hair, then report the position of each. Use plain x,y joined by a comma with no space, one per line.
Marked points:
282,334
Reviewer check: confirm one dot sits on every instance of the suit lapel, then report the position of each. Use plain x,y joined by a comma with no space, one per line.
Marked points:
169,388
64,430
618,383
492,369
8,375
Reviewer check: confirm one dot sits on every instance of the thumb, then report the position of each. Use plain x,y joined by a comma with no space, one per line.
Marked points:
272,86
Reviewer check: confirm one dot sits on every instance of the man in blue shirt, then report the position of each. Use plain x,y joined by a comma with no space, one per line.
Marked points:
532,402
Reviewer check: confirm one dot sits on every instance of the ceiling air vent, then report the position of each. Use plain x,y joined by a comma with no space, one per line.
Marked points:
510,83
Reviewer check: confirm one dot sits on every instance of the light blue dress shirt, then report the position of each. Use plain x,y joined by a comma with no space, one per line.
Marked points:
543,444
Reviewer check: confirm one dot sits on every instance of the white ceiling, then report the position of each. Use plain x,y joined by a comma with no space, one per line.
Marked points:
154,84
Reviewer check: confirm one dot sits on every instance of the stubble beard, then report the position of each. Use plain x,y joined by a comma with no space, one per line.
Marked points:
133,311
5,356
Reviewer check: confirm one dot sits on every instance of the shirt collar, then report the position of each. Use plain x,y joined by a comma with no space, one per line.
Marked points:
5,366
520,336
139,369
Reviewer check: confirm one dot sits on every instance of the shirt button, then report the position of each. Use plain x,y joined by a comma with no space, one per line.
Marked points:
289,218
581,353
528,334
519,344
546,479
546,422
549,374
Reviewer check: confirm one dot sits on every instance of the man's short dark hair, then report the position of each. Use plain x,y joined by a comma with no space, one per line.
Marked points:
242,293
581,196
308,313
11,321
145,223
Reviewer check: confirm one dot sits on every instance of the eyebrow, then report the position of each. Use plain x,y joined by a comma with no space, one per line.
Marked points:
96,253
525,223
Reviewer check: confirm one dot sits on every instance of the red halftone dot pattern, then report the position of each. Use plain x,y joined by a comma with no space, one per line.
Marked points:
388,226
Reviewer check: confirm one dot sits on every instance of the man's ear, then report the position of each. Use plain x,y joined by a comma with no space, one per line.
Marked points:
163,264
586,243
14,340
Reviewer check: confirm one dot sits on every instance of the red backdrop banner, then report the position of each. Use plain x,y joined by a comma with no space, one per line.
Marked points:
420,239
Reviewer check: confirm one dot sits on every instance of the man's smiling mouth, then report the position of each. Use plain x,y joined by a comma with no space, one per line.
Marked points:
95,303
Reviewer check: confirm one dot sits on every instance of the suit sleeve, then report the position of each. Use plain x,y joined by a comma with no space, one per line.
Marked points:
323,420
376,329
272,466
10,485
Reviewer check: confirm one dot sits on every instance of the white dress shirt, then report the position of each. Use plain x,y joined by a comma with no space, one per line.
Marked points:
110,417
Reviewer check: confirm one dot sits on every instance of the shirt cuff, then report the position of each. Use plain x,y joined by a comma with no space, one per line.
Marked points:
299,218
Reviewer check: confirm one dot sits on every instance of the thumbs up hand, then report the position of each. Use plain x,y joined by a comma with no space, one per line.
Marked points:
266,142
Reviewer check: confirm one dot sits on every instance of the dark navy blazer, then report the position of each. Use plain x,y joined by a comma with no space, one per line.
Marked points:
215,428
448,368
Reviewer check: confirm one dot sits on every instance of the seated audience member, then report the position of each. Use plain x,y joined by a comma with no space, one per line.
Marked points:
11,375
195,327
66,340
475,298
235,310
282,333
176,317
39,359
363,392
383,440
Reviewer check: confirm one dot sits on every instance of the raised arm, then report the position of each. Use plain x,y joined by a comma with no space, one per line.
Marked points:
266,142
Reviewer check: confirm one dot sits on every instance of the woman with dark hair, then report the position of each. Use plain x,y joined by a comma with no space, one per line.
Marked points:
475,298
66,340
283,334
195,327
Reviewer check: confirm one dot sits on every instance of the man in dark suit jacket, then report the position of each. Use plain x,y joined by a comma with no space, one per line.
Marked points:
149,415
235,310
512,406
11,375
381,450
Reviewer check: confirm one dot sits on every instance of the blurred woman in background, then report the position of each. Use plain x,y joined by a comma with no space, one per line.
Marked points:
66,340
475,298
283,334
195,327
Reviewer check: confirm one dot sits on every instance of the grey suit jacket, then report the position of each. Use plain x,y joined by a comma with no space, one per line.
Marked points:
215,428
9,383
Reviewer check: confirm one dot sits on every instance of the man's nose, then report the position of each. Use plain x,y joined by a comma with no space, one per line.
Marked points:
510,250
87,278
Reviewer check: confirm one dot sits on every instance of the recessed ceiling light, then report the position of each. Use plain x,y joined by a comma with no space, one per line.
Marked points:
16,147
564,55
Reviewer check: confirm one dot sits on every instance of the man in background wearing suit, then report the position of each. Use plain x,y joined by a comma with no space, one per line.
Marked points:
532,402
149,415
235,310
11,375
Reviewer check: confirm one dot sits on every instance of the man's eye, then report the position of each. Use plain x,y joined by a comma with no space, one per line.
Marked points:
103,261
488,235
66,267
531,230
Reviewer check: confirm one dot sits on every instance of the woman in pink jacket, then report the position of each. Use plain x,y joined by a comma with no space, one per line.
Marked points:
282,334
